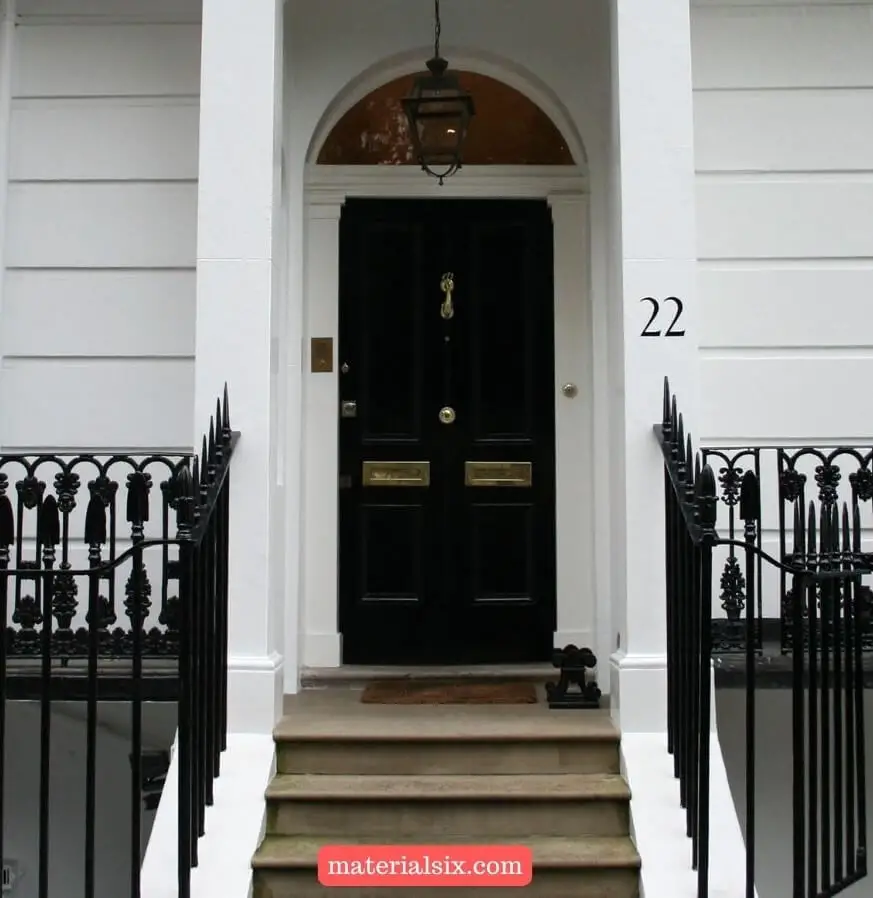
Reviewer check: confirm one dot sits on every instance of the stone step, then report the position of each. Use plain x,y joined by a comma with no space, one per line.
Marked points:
286,867
333,733
437,806
357,675
446,757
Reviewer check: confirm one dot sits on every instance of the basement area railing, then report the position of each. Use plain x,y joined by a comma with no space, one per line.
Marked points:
787,476
824,615
68,573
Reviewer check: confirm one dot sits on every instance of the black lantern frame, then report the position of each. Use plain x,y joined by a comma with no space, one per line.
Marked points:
438,112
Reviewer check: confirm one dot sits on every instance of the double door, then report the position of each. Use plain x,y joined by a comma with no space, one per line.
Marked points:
446,432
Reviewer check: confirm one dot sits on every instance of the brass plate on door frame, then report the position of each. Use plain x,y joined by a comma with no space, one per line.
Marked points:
321,355
498,473
396,473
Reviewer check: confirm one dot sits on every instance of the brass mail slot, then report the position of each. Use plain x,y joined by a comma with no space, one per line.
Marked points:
396,473
498,473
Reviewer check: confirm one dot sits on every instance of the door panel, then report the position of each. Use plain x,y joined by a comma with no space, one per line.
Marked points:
460,568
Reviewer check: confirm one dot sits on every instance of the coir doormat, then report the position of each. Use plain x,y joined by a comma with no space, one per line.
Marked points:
423,692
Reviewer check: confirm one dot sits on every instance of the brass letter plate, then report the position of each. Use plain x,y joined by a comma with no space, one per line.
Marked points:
321,352
396,473
497,473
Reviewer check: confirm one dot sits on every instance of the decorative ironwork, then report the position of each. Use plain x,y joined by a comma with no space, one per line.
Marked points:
49,487
577,684
41,590
729,632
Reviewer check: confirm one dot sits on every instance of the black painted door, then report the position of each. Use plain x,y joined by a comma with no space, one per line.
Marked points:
447,432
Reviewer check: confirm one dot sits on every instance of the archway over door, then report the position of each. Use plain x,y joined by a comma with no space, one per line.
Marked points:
508,128
515,152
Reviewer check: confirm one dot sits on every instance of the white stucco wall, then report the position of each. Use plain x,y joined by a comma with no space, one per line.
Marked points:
783,103
98,290
774,793
67,790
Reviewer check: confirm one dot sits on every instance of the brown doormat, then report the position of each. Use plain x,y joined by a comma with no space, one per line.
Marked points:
424,692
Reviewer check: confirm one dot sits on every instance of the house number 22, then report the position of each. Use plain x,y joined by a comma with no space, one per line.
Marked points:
656,308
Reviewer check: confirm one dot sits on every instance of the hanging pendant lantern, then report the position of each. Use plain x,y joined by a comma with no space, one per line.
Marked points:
438,112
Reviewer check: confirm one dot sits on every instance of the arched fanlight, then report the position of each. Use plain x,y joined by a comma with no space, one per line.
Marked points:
438,111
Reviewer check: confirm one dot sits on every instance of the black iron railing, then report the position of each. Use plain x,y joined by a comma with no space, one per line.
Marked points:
824,565
786,476
53,636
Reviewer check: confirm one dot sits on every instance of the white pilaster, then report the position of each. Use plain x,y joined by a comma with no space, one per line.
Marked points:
653,207
321,639
238,278
573,422
7,49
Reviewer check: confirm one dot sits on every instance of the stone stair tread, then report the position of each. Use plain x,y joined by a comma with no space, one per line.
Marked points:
425,787
549,852
444,723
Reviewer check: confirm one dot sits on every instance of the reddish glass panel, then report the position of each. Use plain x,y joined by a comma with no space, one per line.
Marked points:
508,129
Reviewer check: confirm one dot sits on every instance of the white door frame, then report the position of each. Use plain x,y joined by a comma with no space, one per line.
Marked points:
566,190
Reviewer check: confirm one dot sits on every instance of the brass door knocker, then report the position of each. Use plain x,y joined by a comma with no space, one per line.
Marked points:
447,285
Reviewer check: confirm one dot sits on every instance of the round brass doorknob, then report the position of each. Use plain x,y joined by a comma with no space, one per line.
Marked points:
447,415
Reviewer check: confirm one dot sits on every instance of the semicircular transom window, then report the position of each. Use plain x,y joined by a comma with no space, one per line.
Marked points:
507,129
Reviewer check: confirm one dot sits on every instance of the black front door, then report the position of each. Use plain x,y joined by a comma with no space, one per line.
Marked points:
447,432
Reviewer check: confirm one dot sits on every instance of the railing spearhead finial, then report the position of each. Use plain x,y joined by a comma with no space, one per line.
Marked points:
666,419
707,499
799,531
750,497
674,415
95,522
847,533
49,522
856,528
137,499
7,522
810,529
680,443
225,418
211,456
690,474
204,466
219,432
195,477
184,501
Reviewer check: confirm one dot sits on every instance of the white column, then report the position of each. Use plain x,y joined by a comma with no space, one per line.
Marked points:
238,277
653,195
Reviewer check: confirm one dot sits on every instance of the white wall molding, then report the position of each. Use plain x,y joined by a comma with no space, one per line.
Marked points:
334,183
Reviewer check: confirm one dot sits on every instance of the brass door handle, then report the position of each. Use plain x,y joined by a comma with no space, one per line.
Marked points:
447,285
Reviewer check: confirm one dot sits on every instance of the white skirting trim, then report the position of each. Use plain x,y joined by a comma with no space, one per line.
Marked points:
584,639
638,692
321,649
658,822
255,684
234,825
